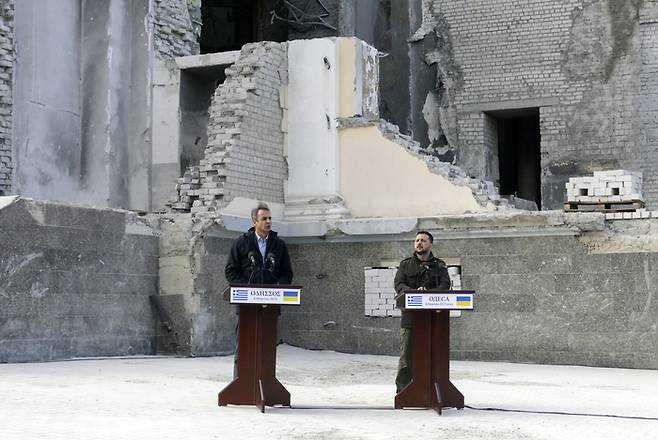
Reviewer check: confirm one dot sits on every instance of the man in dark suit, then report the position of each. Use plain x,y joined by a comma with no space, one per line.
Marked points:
259,256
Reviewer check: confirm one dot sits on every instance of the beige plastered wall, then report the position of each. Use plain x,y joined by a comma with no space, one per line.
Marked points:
347,80
379,178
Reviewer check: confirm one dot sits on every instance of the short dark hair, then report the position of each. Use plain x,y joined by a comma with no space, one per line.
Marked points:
254,212
430,236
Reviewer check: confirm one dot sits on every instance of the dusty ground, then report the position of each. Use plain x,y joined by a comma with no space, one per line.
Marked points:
334,396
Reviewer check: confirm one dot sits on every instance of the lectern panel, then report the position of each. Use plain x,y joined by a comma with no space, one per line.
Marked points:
436,300
266,294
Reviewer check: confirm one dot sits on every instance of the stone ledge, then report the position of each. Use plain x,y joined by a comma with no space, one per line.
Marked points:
509,224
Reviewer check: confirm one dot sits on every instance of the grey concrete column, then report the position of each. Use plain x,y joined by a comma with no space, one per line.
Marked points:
116,102
47,99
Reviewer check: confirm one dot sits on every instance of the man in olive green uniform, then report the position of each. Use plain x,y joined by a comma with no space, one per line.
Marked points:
420,271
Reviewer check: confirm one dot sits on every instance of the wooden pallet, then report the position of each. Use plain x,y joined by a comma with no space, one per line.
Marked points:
628,206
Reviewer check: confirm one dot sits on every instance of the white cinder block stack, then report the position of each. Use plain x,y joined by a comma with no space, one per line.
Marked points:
380,292
605,186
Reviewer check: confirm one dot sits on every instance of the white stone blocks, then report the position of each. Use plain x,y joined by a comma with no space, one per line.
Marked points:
380,292
634,215
605,186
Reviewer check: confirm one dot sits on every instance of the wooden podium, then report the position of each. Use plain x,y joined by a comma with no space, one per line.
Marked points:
430,385
254,380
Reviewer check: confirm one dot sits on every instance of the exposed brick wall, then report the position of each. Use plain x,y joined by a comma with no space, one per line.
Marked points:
507,49
577,60
244,156
176,28
648,101
6,75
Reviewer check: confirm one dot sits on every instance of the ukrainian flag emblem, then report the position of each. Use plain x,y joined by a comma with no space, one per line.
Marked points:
290,296
463,301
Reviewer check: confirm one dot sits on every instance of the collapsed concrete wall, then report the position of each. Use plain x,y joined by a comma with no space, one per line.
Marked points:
577,62
6,82
75,282
244,156
576,71
334,131
304,139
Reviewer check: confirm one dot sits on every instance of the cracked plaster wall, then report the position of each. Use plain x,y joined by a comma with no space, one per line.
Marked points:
578,61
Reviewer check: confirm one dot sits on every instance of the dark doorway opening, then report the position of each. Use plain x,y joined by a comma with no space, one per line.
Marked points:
229,24
519,163
197,87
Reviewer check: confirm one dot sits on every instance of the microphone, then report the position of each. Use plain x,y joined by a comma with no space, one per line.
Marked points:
252,258
270,259
426,271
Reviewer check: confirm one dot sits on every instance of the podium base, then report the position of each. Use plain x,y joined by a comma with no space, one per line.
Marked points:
244,392
430,386
436,397
255,381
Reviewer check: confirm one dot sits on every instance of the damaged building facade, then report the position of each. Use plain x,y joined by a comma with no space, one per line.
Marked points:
520,95
359,122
